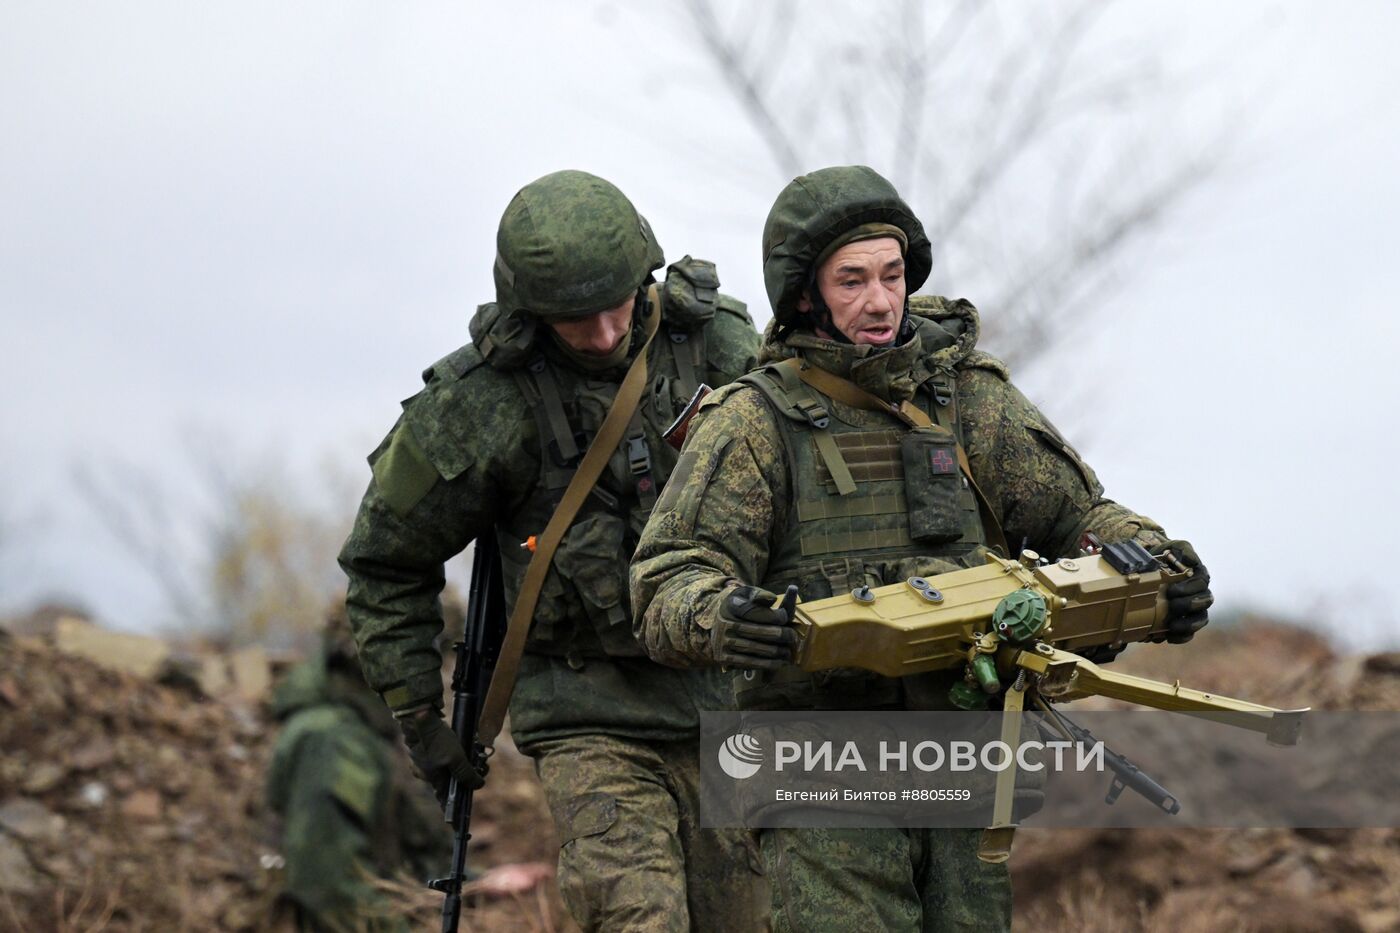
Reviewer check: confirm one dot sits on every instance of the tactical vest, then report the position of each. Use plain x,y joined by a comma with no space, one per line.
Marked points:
584,609
874,501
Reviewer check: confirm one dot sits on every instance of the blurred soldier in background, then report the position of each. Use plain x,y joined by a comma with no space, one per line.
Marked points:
350,808
489,447
875,444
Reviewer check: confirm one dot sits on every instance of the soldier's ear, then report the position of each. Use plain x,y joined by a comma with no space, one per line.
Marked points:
804,302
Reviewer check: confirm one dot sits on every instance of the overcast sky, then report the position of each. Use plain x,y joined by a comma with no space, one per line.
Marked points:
257,223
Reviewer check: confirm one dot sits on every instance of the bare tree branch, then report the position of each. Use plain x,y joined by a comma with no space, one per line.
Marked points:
1032,116
744,83
779,41
1025,327
855,122
1044,164
135,512
955,25
913,75
919,61
246,554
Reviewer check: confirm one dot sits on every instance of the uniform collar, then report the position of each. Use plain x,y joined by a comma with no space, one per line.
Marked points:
892,373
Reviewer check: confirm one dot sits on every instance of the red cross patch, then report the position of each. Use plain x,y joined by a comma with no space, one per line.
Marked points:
942,461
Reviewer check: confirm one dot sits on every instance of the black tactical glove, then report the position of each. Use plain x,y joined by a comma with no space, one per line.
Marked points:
1188,600
1102,654
436,753
750,632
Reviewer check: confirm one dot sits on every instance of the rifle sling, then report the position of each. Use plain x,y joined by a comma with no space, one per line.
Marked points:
848,393
629,393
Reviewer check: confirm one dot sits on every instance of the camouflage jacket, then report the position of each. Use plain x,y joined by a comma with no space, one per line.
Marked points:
487,447
731,516
347,802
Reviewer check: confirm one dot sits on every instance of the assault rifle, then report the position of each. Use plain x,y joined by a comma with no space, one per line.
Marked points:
1012,627
1125,774
477,652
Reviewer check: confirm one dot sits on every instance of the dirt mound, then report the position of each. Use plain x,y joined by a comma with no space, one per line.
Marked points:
132,805
1206,880
123,800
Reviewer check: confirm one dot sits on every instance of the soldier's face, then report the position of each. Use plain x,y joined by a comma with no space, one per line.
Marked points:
863,284
596,334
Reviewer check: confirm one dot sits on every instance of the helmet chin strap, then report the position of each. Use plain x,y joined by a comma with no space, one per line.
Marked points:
906,327
821,313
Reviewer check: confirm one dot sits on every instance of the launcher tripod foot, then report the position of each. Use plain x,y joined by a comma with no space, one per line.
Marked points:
995,847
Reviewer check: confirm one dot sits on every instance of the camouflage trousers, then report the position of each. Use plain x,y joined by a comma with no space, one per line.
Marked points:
884,879
632,855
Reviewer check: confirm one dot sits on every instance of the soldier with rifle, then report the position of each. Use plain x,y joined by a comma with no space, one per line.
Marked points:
543,435
874,445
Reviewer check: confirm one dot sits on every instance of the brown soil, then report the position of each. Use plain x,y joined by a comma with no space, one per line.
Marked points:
1207,880
130,805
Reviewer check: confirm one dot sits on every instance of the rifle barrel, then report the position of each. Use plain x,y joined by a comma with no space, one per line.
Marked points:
476,652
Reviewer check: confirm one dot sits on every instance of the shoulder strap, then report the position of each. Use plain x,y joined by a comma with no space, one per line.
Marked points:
559,452
493,711
688,348
848,393
780,384
548,388
945,409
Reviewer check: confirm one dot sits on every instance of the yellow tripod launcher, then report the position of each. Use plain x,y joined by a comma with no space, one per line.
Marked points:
1014,627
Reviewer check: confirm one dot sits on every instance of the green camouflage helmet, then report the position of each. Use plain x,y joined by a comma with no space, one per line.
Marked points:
815,209
571,243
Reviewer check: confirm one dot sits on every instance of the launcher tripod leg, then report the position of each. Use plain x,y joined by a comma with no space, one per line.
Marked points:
996,839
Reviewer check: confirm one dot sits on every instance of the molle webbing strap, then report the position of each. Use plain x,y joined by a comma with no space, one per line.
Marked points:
699,354
556,472
605,442
944,403
553,401
848,393
683,351
802,400
835,463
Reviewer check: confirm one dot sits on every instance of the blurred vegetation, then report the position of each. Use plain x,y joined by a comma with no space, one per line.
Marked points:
244,553
271,568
